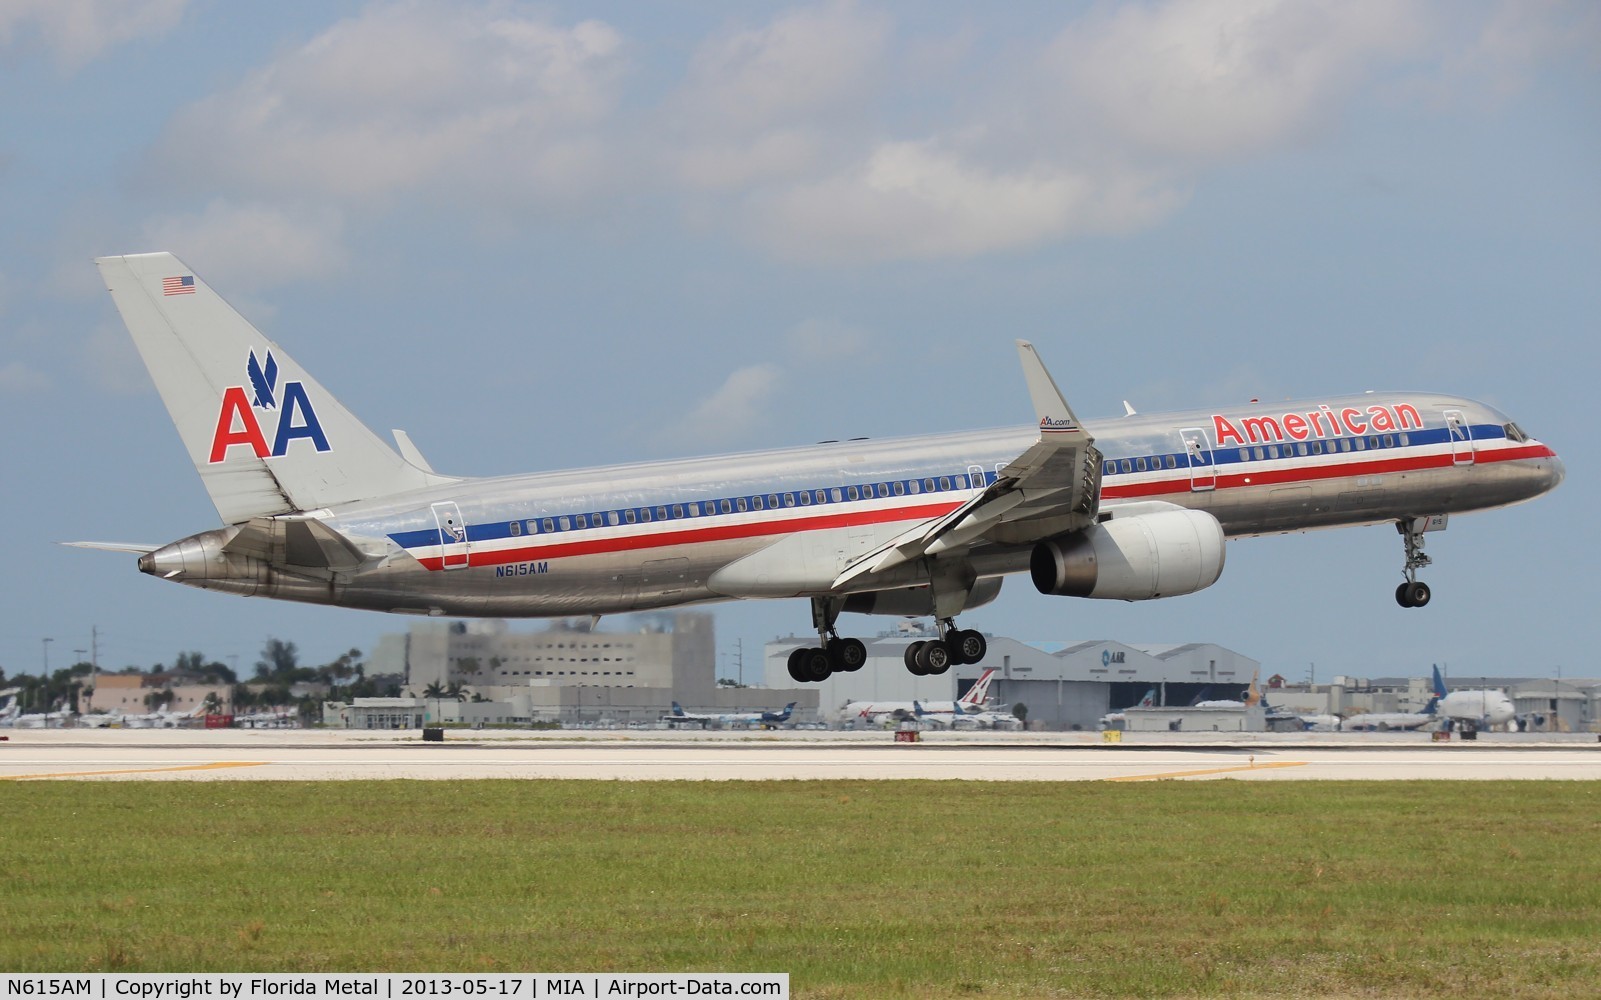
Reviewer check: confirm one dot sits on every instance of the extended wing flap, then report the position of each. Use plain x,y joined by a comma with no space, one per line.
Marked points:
1054,486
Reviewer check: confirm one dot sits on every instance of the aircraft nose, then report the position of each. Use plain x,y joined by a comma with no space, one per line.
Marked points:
1557,473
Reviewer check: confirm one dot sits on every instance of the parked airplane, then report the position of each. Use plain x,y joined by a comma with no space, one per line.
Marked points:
987,719
730,718
1112,720
1253,696
317,508
971,702
1473,709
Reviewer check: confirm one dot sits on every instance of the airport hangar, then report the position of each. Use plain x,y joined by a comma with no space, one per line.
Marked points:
1065,685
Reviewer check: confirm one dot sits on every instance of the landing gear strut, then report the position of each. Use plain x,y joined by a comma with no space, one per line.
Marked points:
954,647
832,654
1414,593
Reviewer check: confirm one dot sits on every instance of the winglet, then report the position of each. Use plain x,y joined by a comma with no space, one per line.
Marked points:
1055,416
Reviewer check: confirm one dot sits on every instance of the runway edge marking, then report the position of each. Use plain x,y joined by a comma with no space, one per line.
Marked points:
214,766
1209,770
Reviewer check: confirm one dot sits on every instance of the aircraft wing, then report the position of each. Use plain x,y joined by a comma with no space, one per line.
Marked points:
1052,488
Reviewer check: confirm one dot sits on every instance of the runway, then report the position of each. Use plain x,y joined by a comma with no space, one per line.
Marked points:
324,755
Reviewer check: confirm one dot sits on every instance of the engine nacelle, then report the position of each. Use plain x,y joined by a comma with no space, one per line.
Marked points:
1135,557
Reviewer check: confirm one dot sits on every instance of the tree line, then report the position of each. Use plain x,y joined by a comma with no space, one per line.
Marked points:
276,671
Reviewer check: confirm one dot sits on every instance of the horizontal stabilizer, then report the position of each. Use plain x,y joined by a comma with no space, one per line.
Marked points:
137,548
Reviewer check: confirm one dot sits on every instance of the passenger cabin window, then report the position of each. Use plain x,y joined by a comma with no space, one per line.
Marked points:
516,528
565,523
628,515
612,518
900,488
789,499
725,506
1139,465
944,482
806,499
821,496
756,503
644,514
548,524
1127,465
837,494
772,501
914,486
853,493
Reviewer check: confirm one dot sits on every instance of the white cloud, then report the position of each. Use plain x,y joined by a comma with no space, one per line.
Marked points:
917,200
431,93
736,412
251,247
766,102
77,31
17,378
1216,78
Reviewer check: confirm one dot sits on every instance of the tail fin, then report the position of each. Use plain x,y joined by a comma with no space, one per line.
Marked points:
1439,692
265,437
677,708
979,692
1253,694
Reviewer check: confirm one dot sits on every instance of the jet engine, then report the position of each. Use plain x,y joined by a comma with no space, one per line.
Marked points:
1133,557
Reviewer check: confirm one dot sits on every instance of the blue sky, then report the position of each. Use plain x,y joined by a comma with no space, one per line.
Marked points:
541,236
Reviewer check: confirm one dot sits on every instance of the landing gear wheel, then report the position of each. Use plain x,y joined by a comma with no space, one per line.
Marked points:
934,658
914,657
967,646
846,655
1401,596
1418,594
797,667
816,664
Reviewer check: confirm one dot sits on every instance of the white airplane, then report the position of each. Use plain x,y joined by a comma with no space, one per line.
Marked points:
1112,720
316,508
971,702
1253,696
988,719
162,718
729,718
1473,709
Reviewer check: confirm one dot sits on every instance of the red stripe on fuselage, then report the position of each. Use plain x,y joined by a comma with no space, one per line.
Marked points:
688,536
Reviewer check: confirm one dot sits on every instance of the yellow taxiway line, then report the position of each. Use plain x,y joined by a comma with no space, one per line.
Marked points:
1210,770
215,765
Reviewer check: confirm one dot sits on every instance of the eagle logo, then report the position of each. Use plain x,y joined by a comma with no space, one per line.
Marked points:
264,380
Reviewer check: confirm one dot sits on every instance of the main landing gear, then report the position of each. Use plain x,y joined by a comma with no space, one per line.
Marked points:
834,654
954,647
1414,593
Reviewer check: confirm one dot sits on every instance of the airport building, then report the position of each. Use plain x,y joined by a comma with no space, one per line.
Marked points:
569,672
1063,685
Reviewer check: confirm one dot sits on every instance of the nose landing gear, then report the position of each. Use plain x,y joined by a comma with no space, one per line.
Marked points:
1414,593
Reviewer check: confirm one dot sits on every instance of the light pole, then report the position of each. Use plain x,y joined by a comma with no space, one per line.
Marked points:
46,642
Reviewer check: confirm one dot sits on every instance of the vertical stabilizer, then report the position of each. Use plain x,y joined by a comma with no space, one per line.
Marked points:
265,437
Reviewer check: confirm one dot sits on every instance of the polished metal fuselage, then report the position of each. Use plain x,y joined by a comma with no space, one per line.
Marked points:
514,546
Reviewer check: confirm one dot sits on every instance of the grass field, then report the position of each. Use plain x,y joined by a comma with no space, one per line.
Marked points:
857,889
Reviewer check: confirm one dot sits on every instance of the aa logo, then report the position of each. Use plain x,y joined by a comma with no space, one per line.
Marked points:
237,423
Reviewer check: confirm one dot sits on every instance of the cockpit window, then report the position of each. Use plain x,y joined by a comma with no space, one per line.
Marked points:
1515,433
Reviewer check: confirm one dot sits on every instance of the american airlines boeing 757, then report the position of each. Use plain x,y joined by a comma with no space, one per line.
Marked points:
317,508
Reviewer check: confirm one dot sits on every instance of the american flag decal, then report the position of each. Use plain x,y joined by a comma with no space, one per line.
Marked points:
184,285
